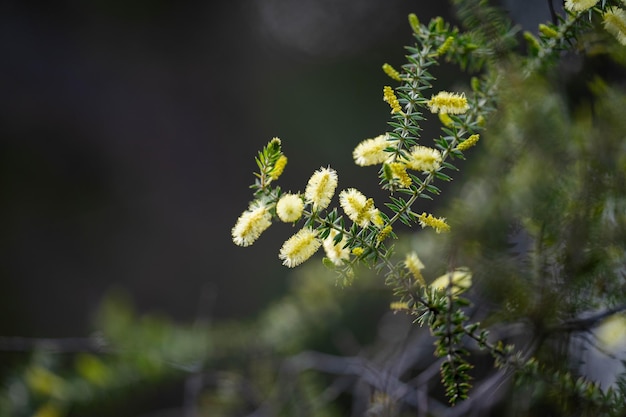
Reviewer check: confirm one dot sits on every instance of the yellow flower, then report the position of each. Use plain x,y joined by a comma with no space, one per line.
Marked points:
439,224
357,251
336,252
445,45
414,265
460,279
391,72
372,151
390,97
279,167
251,224
289,207
382,235
532,42
414,22
424,159
359,208
577,6
398,171
445,119
612,332
615,23
399,306
548,31
451,103
377,219
299,247
321,188
468,143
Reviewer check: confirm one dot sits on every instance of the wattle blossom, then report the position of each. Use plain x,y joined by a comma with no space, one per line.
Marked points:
321,188
251,224
299,247
579,5
337,253
390,97
469,142
289,208
391,72
460,280
615,23
413,263
422,158
359,208
449,103
398,171
372,151
279,167
439,224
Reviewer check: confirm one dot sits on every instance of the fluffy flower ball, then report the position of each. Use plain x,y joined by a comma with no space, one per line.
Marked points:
372,151
615,23
289,208
321,188
359,208
299,247
336,252
579,5
449,103
424,159
251,224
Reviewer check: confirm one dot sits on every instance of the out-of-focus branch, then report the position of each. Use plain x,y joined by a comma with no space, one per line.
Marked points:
581,324
55,345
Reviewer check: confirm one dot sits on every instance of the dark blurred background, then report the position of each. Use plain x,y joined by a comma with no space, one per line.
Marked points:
128,131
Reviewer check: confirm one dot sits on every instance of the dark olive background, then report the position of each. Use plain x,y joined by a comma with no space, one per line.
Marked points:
127,137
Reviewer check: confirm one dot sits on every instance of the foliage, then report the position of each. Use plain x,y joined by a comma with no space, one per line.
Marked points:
530,254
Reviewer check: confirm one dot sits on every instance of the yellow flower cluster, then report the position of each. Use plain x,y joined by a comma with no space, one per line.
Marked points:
469,142
413,263
359,208
445,46
548,31
357,251
450,103
414,22
422,158
460,280
615,23
337,253
390,97
372,151
439,224
299,247
399,306
279,167
251,224
445,119
577,6
398,171
289,207
384,233
391,72
419,158
321,188
611,332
